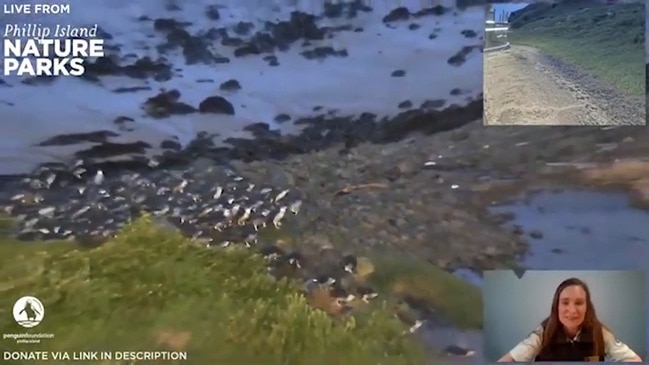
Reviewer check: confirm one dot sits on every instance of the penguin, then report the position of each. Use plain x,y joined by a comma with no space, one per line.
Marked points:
295,260
271,253
366,293
245,216
295,207
325,280
259,222
280,196
277,220
341,295
349,264
99,177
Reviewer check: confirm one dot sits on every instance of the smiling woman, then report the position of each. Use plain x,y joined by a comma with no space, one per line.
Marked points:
572,332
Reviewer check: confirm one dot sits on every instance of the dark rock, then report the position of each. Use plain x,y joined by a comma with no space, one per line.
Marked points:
333,10
165,24
358,30
432,36
469,33
429,122
398,14
323,52
265,43
270,58
435,10
167,103
195,50
282,118
76,138
405,104
212,12
414,26
257,128
243,28
459,58
456,92
216,105
39,80
359,5
246,50
433,104
272,146
145,67
110,149
536,234
103,66
204,81
133,89
169,144
122,120
399,73
230,85
221,59
232,42
299,26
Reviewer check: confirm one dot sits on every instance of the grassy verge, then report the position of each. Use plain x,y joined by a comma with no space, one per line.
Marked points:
607,41
149,290
430,289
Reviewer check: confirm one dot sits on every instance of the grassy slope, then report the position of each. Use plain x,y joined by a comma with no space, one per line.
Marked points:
611,48
148,289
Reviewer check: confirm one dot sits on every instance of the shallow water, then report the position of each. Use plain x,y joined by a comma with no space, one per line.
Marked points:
581,230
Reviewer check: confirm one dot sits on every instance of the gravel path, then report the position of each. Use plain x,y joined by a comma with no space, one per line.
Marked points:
525,87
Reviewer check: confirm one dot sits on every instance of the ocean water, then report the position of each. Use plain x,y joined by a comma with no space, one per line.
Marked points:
347,86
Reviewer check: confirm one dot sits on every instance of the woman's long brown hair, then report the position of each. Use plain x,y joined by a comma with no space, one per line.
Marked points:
552,325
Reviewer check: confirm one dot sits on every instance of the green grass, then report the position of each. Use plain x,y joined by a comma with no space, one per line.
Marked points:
430,287
149,289
609,47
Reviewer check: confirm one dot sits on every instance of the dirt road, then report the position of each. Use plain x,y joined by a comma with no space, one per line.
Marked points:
525,87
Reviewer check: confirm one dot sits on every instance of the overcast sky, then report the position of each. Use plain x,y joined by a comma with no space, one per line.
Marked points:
508,7
499,8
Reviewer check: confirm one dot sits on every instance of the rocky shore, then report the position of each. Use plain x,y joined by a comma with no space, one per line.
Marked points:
339,197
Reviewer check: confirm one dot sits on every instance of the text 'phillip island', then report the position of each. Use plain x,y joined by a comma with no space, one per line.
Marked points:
35,49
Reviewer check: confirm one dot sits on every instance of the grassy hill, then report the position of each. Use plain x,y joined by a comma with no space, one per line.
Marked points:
607,41
149,290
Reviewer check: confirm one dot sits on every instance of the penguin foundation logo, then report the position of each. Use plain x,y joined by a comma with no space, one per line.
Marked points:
28,311
28,50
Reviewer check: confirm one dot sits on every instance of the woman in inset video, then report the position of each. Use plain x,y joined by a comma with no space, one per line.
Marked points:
572,332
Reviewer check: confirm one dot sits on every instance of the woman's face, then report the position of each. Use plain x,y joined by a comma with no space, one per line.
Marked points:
572,307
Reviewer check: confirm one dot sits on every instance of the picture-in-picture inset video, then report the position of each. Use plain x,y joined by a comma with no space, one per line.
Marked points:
565,62
561,316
